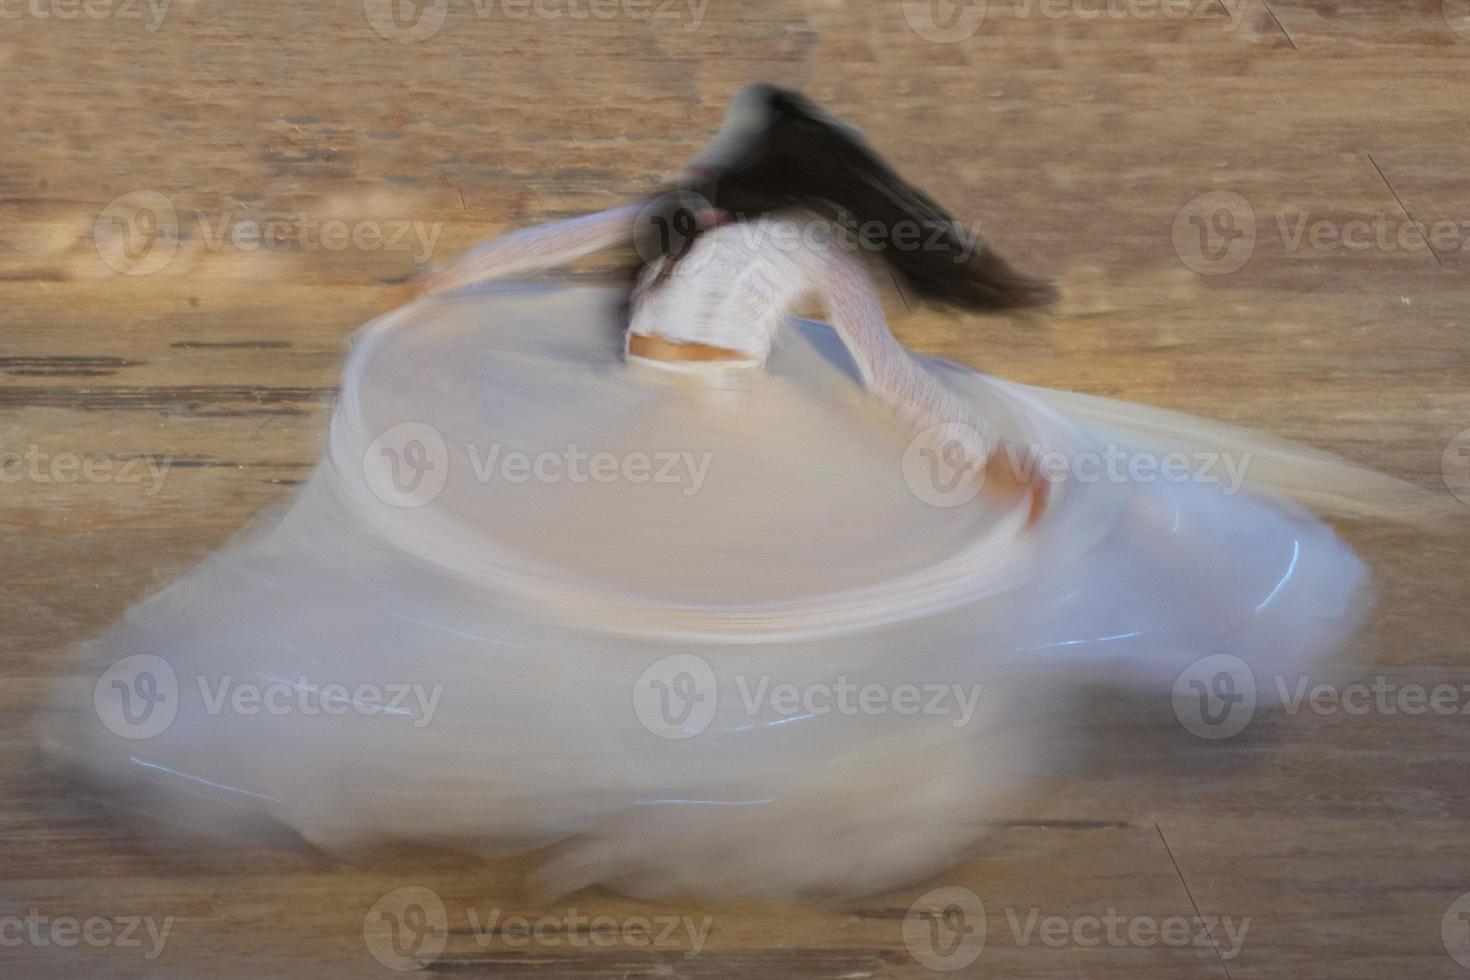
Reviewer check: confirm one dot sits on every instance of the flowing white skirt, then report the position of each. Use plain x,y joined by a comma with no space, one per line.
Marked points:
724,638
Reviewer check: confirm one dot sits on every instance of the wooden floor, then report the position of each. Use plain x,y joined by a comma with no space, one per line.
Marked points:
1082,143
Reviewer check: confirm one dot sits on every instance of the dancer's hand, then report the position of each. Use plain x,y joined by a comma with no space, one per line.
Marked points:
1001,483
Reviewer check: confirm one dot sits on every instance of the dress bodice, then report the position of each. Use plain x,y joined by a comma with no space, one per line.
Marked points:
733,288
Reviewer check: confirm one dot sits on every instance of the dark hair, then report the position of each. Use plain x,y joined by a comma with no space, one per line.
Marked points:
778,152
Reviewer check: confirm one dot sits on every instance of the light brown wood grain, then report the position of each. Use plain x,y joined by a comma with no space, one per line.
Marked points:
1074,141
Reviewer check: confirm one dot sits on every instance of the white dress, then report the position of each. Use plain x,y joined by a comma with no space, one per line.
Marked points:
724,628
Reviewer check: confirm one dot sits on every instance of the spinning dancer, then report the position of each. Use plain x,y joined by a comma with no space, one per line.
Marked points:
596,562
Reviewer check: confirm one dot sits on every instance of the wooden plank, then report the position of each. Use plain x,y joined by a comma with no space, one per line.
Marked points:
1082,145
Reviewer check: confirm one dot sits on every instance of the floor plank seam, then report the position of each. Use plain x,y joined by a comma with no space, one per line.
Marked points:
1193,904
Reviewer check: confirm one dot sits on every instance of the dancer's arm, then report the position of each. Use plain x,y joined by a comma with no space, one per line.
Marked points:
890,372
534,249
895,377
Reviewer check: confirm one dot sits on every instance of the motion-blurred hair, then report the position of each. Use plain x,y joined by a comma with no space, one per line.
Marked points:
778,152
